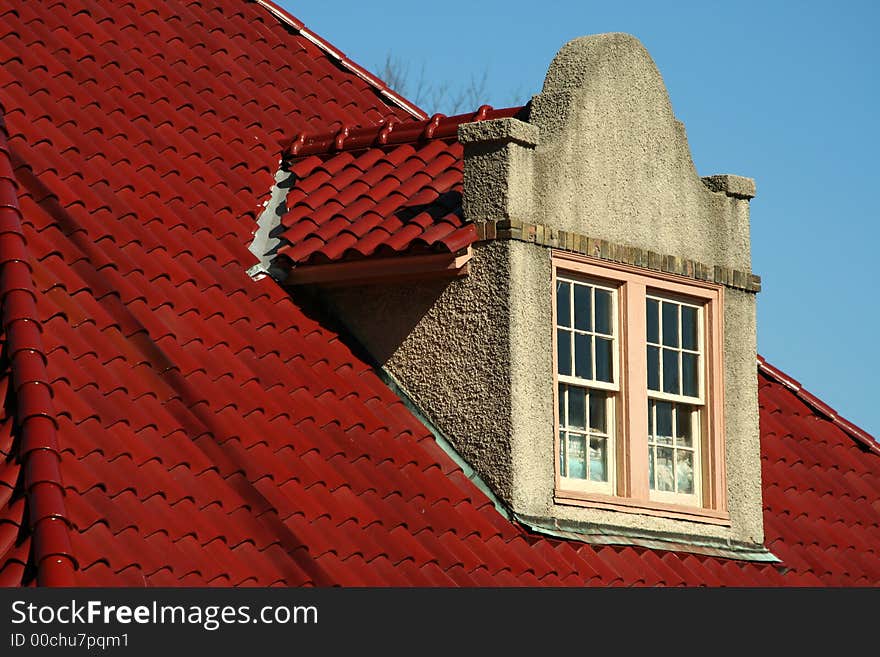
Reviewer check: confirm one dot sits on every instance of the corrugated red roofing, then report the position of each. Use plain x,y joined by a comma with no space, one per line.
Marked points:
378,191
214,430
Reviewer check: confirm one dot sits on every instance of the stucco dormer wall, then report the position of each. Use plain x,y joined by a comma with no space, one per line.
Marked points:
614,162
606,157
600,169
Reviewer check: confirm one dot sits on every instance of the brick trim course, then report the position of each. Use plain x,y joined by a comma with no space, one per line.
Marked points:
511,229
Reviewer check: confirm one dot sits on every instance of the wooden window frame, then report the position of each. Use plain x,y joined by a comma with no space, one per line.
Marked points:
610,389
631,490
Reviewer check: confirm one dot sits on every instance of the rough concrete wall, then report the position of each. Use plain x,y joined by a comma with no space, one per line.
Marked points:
498,180
498,183
448,344
531,349
614,163
742,432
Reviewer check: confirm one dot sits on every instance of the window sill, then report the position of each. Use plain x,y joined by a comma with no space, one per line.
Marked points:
643,507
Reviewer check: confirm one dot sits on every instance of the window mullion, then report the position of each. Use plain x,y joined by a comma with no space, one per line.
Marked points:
634,366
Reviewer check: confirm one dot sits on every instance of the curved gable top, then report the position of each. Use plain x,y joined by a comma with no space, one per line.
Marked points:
614,162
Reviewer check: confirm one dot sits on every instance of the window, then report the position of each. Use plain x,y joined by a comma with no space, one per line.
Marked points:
674,340
586,358
638,367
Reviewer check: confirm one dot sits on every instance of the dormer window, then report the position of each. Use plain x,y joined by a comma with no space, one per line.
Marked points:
550,383
587,352
638,371
674,339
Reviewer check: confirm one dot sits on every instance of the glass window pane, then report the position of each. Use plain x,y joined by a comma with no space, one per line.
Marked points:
670,371
563,351
562,453
583,366
663,427
683,435
690,381
654,368
663,467
561,401
577,407
684,471
582,313
670,324
651,483
689,328
563,303
598,421
652,308
603,312
598,459
577,453
603,360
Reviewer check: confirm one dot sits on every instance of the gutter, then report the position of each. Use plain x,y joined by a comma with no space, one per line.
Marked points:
38,451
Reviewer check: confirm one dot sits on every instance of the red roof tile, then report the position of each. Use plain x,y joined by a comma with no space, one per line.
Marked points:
211,429
378,191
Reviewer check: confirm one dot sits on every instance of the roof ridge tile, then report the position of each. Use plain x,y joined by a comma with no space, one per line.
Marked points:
390,132
344,61
858,434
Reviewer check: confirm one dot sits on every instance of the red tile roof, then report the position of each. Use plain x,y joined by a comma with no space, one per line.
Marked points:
378,191
213,429
30,444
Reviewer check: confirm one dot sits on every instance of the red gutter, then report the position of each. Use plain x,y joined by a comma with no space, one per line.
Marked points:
860,435
344,61
39,455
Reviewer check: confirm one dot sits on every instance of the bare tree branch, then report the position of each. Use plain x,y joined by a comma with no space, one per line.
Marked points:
435,95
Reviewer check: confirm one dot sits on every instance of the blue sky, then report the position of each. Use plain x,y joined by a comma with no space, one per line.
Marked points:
786,93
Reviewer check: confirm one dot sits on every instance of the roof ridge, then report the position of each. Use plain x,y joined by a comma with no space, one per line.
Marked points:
34,412
349,138
855,432
383,89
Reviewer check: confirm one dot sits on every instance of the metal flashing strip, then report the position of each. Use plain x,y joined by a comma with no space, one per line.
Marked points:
395,386
266,241
607,535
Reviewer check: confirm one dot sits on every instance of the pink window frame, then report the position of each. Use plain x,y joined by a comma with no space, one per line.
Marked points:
631,407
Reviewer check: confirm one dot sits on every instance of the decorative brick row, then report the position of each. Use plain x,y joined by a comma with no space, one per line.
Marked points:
509,229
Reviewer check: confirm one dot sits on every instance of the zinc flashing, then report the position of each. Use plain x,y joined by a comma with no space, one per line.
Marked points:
266,240
397,388
596,534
